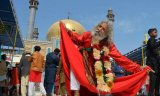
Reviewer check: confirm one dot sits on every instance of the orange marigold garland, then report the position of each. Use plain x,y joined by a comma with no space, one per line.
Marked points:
103,71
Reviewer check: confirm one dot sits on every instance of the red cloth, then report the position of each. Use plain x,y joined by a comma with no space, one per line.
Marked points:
35,76
71,58
14,77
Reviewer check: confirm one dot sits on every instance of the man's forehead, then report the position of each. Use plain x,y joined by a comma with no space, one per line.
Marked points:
104,25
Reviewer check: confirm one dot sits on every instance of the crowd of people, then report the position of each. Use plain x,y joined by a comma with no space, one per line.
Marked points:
31,75
35,74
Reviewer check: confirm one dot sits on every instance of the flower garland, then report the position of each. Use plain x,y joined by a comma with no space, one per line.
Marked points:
103,72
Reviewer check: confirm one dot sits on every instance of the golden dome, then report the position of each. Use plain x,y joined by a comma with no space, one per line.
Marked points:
54,30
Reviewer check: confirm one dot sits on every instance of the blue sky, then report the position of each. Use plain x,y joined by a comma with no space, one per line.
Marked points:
133,18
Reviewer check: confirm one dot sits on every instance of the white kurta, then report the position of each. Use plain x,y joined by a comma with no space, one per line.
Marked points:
74,82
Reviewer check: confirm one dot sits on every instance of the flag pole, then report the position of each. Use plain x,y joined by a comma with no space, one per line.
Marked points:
14,44
142,55
143,50
3,26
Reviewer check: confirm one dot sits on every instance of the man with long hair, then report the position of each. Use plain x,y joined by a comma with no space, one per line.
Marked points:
96,48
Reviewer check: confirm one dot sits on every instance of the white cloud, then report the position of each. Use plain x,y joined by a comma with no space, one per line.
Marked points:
133,24
126,26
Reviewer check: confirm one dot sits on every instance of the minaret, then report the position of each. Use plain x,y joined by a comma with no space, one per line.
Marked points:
33,8
110,19
110,15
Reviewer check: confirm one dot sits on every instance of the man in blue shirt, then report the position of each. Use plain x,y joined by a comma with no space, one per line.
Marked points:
52,61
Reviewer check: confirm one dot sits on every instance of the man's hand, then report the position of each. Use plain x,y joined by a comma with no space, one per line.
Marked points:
66,26
121,71
35,68
150,70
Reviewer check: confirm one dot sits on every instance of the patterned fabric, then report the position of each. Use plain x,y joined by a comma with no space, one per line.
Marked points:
14,77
